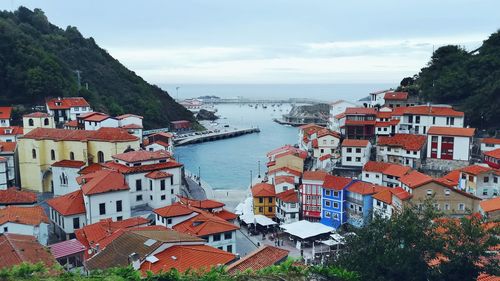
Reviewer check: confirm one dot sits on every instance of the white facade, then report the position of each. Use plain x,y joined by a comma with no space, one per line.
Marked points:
224,241
78,110
373,177
485,185
382,209
66,225
399,156
172,221
9,134
326,145
4,122
461,147
287,212
420,124
96,125
337,108
41,231
64,180
355,156
283,186
156,146
377,98
110,201
4,168
489,146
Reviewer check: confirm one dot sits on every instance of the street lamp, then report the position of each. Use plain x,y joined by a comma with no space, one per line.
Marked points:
259,169
177,92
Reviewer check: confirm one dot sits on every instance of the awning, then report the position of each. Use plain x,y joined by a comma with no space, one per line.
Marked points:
66,248
263,220
305,229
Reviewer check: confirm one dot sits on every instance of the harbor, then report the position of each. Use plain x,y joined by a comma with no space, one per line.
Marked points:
214,135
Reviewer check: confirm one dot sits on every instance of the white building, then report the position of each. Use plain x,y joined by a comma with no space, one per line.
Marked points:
355,153
336,108
489,144
418,119
67,213
8,151
4,175
385,125
449,143
283,183
377,98
160,141
64,174
95,120
25,220
480,181
67,108
326,143
403,149
10,134
287,206
5,115
306,134
389,201
382,173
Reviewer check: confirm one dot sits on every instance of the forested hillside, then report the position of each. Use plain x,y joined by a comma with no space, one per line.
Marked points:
40,60
467,79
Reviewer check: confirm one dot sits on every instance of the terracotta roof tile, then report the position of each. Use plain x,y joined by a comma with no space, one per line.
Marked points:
476,170
5,112
23,215
287,170
386,168
263,257
12,196
396,96
414,179
225,215
102,134
384,196
68,204
263,190
8,146
360,111
94,167
283,179
102,181
491,141
326,132
142,168
336,182
158,175
69,164
314,175
490,205
289,196
17,248
11,131
66,248
199,258
71,124
431,110
94,117
405,141
204,224
128,115
325,157
142,155
451,131
37,115
493,153
202,204
355,143
66,103
365,188
175,210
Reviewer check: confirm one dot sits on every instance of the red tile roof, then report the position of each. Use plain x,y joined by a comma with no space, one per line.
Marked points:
431,110
8,146
5,112
386,168
66,103
444,185
396,96
69,164
175,210
289,196
17,249
476,170
12,196
335,182
225,215
202,204
386,195
37,115
414,179
310,126
365,188
68,204
131,126
360,111
360,122
326,132
325,157
95,117
71,124
158,175
23,215
315,175
263,190
405,141
204,224
493,153
490,205
315,143
491,141
127,116
451,179
392,122
14,131
287,170
102,181
283,179
298,153
265,256
102,134
94,167
451,131
397,170
142,155
142,168
355,143
199,258
66,248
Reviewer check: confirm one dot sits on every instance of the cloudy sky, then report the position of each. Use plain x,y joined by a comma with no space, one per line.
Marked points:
274,41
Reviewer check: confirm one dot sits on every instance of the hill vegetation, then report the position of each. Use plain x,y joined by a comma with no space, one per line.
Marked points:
39,60
469,80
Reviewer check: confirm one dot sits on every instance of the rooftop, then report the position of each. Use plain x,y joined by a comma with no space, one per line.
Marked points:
102,181
396,96
8,146
142,155
365,188
102,134
204,224
66,103
17,248
490,205
287,170
202,204
68,204
315,175
495,153
289,196
5,112
66,248
476,170
13,196
414,179
405,141
451,131
37,115
491,141
265,256
23,215
69,164
335,182
175,210
355,143
263,190
360,111
142,168
432,110
386,168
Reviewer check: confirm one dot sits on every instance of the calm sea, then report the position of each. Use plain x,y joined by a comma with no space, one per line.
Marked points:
226,164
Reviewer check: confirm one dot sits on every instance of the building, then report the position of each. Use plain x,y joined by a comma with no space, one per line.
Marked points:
489,144
307,133
287,206
310,195
41,147
386,125
398,99
450,201
389,201
4,176
5,115
64,175
214,207
292,158
264,199
336,108
449,143
360,123
14,197
272,175
418,119
67,214
18,248
171,215
414,179
355,153
480,181
160,141
326,143
360,202
67,108
333,201
284,183
490,208
492,158
261,258
25,221
180,126
8,150
37,120
377,98
69,254
385,174
10,134
403,149
95,120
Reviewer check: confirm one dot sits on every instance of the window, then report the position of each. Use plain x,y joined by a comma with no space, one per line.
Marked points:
162,185
172,191
46,121
429,192
228,235
151,197
33,153
433,120
220,248
261,200
378,203
76,223
461,206
328,203
163,197
138,198
119,205
102,209
31,123
377,176
446,207
169,221
71,156
5,229
270,200
328,215
119,218
485,192
336,205
349,159
229,248
436,206
367,175
336,194
172,180
447,192
349,150
358,159
138,185
100,157
486,179
495,179
269,209
217,237
417,119
358,150
328,192
261,210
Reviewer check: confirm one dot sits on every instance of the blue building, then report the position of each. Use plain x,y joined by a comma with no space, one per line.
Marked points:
333,201
359,202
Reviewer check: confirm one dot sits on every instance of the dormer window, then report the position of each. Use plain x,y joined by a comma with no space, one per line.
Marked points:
8,131
163,160
58,103
137,164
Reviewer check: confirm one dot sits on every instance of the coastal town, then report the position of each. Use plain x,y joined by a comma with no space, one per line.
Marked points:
98,192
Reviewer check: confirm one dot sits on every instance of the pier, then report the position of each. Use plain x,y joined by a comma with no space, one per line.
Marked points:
215,136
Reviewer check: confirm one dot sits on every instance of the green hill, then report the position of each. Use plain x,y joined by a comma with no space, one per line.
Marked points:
469,80
38,60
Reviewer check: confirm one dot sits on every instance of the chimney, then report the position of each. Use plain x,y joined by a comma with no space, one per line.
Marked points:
97,248
133,260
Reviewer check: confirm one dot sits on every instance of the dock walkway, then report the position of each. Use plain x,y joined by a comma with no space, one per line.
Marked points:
215,136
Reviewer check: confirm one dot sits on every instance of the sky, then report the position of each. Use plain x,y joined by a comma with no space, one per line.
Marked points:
274,41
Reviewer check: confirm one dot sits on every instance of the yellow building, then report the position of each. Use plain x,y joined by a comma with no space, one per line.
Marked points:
37,120
264,197
294,161
42,147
